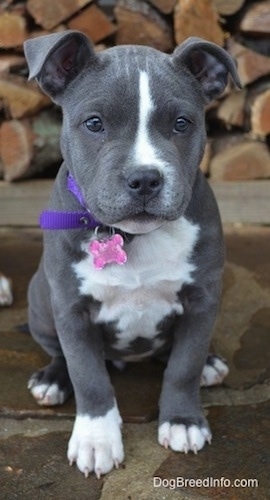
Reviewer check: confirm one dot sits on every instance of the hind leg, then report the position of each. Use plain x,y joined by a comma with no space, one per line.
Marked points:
214,371
51,385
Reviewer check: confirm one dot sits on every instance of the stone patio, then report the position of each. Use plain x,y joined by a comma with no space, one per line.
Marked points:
33,439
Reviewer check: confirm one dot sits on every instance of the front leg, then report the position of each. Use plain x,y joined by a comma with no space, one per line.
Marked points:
96,441
182,425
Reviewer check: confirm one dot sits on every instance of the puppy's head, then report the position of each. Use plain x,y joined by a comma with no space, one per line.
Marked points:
133,121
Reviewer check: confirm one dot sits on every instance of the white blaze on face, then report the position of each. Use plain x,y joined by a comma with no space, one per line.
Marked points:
145,153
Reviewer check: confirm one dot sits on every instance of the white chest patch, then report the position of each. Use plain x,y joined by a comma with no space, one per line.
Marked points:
139,294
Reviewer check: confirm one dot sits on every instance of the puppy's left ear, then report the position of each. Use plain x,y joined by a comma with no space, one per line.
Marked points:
209,63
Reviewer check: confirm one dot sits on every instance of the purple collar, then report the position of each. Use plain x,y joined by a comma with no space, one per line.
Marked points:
50,219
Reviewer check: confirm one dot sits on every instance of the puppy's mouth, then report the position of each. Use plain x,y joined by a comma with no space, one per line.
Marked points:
140,223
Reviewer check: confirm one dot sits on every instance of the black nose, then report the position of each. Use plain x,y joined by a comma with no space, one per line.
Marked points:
145,182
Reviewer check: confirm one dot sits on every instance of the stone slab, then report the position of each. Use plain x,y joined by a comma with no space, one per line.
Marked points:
241,334
37,467
33,460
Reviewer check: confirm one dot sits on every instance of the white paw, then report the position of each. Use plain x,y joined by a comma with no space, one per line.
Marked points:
180,437
214,373
96,443
6,298
46,394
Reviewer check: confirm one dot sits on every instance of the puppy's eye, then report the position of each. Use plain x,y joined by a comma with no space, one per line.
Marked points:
94,124
181,124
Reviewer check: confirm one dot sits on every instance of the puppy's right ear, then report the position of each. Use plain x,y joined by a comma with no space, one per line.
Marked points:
57,59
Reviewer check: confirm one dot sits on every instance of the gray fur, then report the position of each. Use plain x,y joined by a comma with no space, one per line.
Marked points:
106,84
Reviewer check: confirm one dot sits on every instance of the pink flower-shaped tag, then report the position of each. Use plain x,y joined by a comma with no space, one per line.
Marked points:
108,251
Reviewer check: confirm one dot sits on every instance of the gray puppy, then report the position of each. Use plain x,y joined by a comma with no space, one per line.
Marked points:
133,248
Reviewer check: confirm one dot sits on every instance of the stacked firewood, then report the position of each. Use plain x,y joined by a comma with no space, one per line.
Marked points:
238,123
